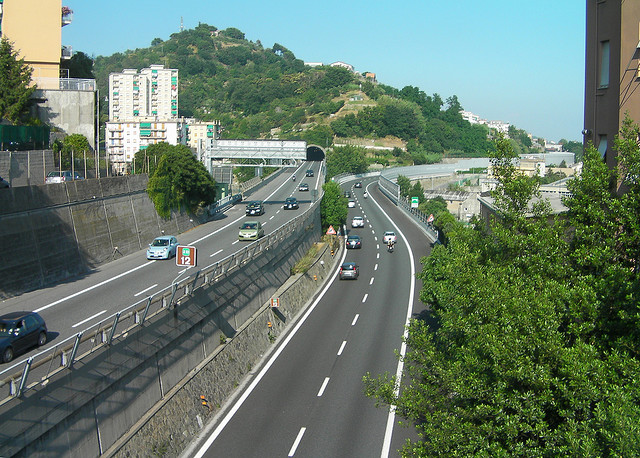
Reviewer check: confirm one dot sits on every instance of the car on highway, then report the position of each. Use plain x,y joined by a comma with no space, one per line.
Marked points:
250,230
351,204
20,331
290,203
62,176
255,208
309,173
358,184
162,247
354,241
389,236
357,221
349,271
303,187
3,183
347,194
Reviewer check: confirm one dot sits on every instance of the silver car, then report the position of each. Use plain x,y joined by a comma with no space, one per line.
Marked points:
62,176
349,271
357,221
162,247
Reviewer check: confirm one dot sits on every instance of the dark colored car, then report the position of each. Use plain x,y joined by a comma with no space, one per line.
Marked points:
354,241
347,194
349,271
290,203
20,331
309,173
303,187
255,208
358,184
3,183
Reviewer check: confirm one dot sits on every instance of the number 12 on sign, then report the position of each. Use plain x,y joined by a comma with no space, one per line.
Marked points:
186,256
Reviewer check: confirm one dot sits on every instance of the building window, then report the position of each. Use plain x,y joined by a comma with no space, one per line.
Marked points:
602,146
604,64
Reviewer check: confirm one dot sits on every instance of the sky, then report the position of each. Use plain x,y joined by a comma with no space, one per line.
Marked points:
520,62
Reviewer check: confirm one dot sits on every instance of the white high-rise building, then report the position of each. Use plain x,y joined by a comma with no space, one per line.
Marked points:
143,110
152,92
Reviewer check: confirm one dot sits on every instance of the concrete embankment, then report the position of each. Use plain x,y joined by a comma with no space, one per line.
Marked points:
50,233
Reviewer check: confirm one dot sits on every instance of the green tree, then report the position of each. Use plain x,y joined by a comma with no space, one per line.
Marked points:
532,344
180,181
434,206
333,208
15,89
346,159
80,66
146,160
405,185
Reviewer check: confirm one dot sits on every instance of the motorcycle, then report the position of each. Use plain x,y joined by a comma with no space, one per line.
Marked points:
365,195
390,247
293,178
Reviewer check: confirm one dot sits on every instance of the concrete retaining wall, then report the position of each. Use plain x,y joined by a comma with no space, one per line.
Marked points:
57,231
141,394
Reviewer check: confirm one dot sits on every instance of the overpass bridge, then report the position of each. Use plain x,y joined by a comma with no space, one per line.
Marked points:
257,153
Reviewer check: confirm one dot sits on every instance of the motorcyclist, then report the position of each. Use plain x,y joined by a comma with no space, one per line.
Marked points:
390,244
293,177
365,194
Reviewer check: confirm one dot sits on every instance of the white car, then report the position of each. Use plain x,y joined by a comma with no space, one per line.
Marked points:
389,235
162,247
357,221
351,204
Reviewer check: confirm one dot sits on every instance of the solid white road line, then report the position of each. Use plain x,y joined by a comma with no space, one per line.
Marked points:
88,319
145,290
386,445
247,392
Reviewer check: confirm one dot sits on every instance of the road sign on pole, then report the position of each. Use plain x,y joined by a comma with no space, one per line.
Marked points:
186,256
331,231
414,202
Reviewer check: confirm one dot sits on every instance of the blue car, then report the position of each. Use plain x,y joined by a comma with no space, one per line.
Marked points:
162,247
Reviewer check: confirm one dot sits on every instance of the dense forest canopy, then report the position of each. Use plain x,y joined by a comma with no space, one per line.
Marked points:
259,92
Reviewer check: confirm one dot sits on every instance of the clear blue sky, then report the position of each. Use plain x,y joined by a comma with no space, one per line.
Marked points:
520,62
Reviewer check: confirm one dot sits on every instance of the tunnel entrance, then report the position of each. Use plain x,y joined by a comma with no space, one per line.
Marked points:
315,153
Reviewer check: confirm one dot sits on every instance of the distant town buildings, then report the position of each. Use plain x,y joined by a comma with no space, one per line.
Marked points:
500,126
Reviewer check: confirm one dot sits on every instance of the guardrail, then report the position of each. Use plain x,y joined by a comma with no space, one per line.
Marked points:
39,368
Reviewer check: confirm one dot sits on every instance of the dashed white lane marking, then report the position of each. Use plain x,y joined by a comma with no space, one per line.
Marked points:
371,282
344,344
217,252
355,320
297,442
364,299
88,319
145,290
324,386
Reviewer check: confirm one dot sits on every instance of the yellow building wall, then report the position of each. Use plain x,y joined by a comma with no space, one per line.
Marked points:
34,27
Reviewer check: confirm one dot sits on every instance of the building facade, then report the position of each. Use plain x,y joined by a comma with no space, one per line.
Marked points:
151,92
43,50
143,110
612,71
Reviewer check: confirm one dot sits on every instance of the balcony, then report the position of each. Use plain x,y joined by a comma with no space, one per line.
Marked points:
67,16
67,52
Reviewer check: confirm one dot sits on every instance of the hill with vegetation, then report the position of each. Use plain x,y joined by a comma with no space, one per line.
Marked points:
259,92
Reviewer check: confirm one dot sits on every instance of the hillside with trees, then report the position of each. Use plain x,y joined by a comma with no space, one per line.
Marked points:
266,92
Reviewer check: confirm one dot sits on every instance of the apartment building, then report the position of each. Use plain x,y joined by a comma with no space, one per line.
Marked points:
143,110
199,131
612,72
43,50
151,92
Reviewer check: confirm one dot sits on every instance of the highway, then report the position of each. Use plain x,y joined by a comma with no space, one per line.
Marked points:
306,399
70,307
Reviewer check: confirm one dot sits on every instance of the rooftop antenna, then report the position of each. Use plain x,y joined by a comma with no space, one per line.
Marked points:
181,24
